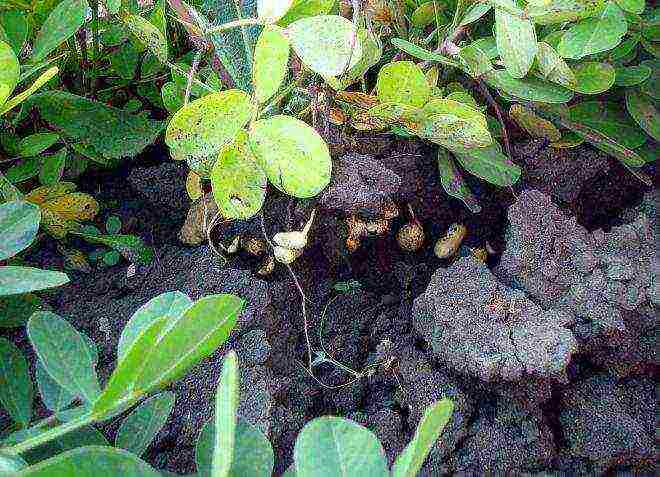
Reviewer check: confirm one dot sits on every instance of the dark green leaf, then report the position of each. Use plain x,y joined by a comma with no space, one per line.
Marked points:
530,89
644,111
16,391
453,183
61,24
52,167
25,169
36,143
593,77
489,164
141,425
16,27
132,248
608,118
631,75
84,436
16,309
54,396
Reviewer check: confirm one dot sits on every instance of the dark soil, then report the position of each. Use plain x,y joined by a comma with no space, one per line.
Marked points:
361,326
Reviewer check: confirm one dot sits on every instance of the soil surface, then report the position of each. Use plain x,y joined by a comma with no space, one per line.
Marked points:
494,430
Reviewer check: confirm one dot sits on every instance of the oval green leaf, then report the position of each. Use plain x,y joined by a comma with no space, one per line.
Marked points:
293,155
516,40
61,24
203,126
36,143
271,59
239,184
608,119
402,82
19,223
16,392
489,164
553,67
141,425
16,27
64,353
631,75
147,34
327,44
643,110
530,89
91,461
338,447
54,396
15,280
52,167
305,8
593,77
9,71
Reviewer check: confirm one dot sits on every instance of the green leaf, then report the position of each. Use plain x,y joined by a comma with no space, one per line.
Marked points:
338,447
10,71
652,85
475,12
293,155
132,248
113,224
113,6
64,353
448,122
326,44
10,463
19,223
16,27
435,418
15,310
453,183
141,426
91,461
15,280
235,47
24,169
305,8
54,396
45,77
593,77
63,21
475,60
426,14
552,67
111,132
202,127
549,12
372,51
83,436
632,6
52,167
16,391
643,110
239,185
422,53
269,11
530,89
516,41
593,35
147,35
253,454
489,164
403,82
608,118
172,96
170,305
271,60
631,75
226,406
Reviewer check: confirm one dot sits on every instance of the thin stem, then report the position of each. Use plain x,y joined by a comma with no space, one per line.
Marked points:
191,75
95,46
49,435
234,24
185,73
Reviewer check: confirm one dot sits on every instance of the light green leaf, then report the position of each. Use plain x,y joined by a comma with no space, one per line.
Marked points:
238,183
403,82
516,41
15,280
631,75
147,35
37,143
453,183
426,13
489,164
332,446
422,53
16,391
305,8
54,396
91,461
202,127
435,418
594,35
63,21
609,119
170,305
45,77
113,6
593,77
10,71
530,89
19,223
644,111
16,27
548,12
293,155
475,60
271,60
253,454
110,132
269,11
52,167
632,6
226,406
64,353
475,12
372,51
141,425
326,44
552,67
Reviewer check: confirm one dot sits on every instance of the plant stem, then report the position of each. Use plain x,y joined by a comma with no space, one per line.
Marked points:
234,24
95,47
49,435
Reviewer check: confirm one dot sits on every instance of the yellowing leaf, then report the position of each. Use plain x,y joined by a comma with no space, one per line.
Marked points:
45,193
271,59
74,206
194,185
147,34
9,71
516,41
534,125
403,82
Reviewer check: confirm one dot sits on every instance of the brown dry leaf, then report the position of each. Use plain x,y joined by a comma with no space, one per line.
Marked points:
366,122
194,185
337,116
76,206
200,215
357,99
534,125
